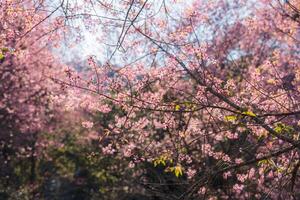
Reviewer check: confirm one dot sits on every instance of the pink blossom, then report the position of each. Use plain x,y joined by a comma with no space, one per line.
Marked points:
226,174
87,124
191,173
238,188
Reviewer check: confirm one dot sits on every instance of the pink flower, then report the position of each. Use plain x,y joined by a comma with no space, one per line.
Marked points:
129,150
241,177
191,173
131,164
238,161
202,190
270,174
87,124
238,188
251,173
226,175
108,150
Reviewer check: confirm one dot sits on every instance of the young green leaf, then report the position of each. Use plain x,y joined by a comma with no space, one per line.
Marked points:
249,113
230,118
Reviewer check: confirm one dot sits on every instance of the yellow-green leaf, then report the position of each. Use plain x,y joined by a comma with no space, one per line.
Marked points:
177,107
265,161
230,118
278,129
178,171
283,128
4,49
249,113
1,56
161,160
280,169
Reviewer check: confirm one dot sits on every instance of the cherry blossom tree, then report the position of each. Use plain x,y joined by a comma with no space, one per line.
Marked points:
199,98
209,93
26,90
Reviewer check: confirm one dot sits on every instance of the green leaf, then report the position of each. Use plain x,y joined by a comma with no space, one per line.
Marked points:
265,161
230,118
1,56
278,129
283,128
280,169
249,113
178,171
4,49
177,107
160,161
